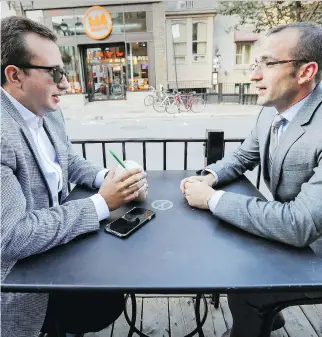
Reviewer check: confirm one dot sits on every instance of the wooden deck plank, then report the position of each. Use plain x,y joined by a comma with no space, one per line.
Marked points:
121,327
181,313
296,323
279,333
155,317
217,316
157,313
314,316
226,312
208,327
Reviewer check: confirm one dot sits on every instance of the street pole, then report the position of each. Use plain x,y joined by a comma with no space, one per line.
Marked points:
175,60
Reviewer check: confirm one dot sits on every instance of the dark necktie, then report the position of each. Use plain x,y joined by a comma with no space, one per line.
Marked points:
277,122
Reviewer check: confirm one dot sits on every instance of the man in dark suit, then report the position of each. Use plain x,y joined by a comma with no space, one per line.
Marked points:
287,141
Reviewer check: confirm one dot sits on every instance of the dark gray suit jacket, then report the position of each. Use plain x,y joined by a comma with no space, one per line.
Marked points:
295,215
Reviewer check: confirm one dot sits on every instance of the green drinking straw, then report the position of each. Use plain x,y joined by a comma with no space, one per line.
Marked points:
117,159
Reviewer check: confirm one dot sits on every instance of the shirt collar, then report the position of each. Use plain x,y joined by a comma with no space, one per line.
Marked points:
33,121
290,113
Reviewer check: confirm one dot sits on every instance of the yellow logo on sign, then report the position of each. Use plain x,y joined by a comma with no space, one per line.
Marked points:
97,22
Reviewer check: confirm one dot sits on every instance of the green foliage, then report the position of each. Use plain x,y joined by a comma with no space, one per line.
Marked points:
268,14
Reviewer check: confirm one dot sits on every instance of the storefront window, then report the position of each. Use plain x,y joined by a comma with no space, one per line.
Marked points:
111,53
64,25
117,20
118,24
138,66
135,22
71,64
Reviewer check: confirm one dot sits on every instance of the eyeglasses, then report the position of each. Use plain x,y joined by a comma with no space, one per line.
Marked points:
57,72
268,64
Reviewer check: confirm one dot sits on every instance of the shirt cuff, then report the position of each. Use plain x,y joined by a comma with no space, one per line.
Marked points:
212,203
214,174
100,178
101,207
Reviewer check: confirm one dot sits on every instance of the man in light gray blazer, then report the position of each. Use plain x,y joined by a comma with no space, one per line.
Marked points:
287,142
37,162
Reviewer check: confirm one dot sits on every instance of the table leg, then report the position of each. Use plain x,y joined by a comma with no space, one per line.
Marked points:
274,310
133,318
199,322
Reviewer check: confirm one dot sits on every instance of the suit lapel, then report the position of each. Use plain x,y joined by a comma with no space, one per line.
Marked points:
14,113
293,132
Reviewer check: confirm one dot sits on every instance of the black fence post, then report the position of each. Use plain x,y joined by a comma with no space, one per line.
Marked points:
215,146
241,93
220,99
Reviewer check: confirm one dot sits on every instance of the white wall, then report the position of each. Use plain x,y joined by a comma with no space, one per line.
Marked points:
5,11
224,40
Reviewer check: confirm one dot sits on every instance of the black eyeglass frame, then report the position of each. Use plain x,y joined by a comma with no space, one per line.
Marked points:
271,63
58,72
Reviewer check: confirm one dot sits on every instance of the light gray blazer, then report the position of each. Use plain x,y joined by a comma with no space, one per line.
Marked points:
29,223
295,215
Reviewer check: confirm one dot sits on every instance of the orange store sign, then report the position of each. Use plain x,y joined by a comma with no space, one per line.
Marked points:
97,23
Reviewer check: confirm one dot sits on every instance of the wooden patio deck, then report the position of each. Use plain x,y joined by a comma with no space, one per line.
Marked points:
174,316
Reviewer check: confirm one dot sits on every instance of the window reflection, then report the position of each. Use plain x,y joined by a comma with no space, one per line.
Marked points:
138,66
71,65
64,25
135,21
117,19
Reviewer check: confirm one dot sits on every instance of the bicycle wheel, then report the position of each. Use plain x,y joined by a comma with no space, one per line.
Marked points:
172,105
158,104
184,106
148,100
197,104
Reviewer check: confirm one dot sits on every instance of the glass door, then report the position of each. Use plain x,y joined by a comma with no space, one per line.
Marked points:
99,79
116,81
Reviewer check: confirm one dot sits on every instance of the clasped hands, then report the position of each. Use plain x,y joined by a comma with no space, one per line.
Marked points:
198,190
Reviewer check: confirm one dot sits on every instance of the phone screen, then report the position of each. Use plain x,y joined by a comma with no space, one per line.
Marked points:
129,221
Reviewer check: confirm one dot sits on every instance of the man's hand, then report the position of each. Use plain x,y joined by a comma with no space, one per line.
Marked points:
198,193
126,187
208,179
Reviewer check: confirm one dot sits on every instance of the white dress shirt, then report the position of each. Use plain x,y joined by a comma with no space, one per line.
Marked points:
288,114
49,161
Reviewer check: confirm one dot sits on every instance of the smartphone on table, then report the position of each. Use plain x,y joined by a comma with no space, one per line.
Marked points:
132,220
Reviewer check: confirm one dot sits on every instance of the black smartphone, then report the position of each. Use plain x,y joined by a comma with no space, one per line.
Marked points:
129,222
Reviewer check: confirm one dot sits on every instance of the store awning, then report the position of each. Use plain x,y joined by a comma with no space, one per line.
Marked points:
245,36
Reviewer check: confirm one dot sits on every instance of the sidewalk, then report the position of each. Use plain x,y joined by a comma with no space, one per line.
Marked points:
133,108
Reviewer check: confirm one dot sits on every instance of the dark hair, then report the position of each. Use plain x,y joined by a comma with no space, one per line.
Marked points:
309,44
13,46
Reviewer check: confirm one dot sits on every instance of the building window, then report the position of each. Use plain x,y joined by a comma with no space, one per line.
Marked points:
71,65
179,33
199,41
135,22
137,66
117,19
189,4
64,25
243,51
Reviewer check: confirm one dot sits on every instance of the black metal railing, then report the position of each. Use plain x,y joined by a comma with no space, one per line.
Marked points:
239,93
210,156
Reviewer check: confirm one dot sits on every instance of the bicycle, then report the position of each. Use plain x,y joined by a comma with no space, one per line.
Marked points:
160,103
149,99
185,103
